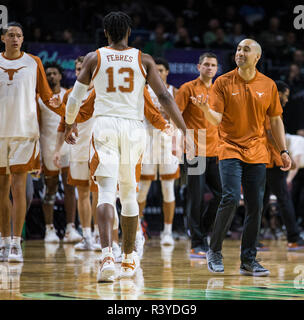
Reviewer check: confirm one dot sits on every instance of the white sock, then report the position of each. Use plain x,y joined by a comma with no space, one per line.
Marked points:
128,256
70,226
86,232
96,229
16,240
168,228
106,250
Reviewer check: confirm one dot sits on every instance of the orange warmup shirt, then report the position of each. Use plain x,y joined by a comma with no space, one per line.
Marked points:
194,117
244,106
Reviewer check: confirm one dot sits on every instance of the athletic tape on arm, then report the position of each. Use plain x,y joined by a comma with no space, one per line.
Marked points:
74,101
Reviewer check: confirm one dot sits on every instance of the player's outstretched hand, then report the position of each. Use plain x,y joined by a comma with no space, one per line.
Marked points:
286,162
55,101
169,129
56,159
69,130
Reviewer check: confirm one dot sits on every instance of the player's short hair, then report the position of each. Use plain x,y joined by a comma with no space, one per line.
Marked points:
11,24
117,25
207,55
281,85
79,59
162,61
53,65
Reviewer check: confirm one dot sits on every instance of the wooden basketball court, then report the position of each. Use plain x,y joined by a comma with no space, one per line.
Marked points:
57,272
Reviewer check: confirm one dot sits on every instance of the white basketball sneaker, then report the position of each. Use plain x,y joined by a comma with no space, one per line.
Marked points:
51,236
106,268
129,266
166,239
15,253
4,252
72,236
85,245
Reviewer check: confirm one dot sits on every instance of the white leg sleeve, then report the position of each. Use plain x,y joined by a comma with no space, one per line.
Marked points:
129,205
144,186
168,190
107,188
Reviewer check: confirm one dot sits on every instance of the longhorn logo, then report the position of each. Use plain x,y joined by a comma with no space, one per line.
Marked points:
11,72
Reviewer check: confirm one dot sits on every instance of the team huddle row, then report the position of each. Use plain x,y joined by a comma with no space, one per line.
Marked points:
118,97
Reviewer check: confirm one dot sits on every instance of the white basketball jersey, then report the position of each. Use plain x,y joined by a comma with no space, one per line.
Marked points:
119,82
18,108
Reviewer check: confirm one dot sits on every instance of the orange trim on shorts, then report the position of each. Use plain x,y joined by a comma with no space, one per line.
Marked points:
76,182
32,165
148,177
93,164
140,65
174,176
93,185
98,64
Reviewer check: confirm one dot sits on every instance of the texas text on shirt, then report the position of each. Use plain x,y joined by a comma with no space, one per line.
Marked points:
194,117
20,80
244,106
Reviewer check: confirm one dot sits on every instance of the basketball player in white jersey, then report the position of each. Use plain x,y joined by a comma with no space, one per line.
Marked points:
22,76
119,74
166,164
48,123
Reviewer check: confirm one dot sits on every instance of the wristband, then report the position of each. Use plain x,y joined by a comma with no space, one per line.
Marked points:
284,151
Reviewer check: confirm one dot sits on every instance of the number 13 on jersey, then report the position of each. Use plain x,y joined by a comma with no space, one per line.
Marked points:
128,79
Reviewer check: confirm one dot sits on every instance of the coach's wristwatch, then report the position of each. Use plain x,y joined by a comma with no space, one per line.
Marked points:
284,151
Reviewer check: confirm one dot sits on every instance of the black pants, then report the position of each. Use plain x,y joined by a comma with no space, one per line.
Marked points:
234,174
276,184
200,215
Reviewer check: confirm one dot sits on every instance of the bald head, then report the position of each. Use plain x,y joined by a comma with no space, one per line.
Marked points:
254,45
248,53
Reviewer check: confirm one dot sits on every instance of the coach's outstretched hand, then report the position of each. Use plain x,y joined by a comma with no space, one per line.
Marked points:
68,134
201,101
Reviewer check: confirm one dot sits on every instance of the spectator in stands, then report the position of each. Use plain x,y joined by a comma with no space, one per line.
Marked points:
298,59
272,39
220,41
294,111
210,35
37,34
67,36
252,12
289,47
183,39
159,42
237,35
